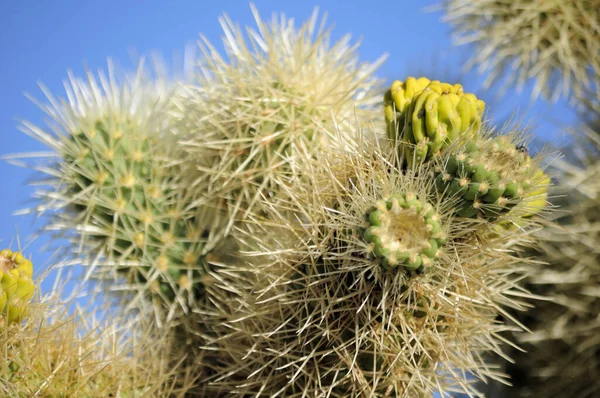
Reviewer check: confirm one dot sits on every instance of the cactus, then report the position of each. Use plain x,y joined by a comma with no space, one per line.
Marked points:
252,115
555,43
124,189
16,286
325,318
118,184
405,231
490,176
81,359
427,119
308,262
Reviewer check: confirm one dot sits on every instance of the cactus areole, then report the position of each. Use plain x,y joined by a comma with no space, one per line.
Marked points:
404,231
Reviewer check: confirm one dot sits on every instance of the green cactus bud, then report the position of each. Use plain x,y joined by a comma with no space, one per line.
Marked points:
403,231
16,286
488,179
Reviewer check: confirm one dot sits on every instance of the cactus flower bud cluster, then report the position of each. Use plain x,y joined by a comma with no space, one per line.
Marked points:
426,116
16,286
489,177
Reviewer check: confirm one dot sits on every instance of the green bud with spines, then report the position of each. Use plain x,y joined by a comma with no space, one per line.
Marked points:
487,176
404,231
423,117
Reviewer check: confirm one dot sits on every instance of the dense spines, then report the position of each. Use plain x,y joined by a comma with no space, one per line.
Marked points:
125,187
324,318
424,117
252,115
552,42
16,286
116,188
490,176
405,232
64,351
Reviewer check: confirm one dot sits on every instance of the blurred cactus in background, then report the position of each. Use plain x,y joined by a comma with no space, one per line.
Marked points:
261,220
55,352
556,43
562,351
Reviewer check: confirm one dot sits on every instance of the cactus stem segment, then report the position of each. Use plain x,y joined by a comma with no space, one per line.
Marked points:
404,231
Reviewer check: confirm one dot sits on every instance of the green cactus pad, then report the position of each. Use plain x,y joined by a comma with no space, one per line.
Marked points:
489,177
404,231
424,120
16,286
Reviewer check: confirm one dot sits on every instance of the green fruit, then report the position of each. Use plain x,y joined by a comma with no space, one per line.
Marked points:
423,119
404,231
16,286
488,177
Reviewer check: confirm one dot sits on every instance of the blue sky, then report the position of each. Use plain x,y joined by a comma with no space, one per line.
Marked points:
41,40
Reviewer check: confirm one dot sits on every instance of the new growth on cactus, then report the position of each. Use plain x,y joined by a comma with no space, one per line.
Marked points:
424,117
16,286
405,231
492,175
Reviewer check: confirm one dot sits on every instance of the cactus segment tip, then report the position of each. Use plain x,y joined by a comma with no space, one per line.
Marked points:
404,231
489,177
427,116
16,286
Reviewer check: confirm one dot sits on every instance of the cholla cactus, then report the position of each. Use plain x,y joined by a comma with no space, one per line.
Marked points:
249,117
117,183
353,298
54,353
16,286
416,243
554,42
490,176
424,117
562,351
348,274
